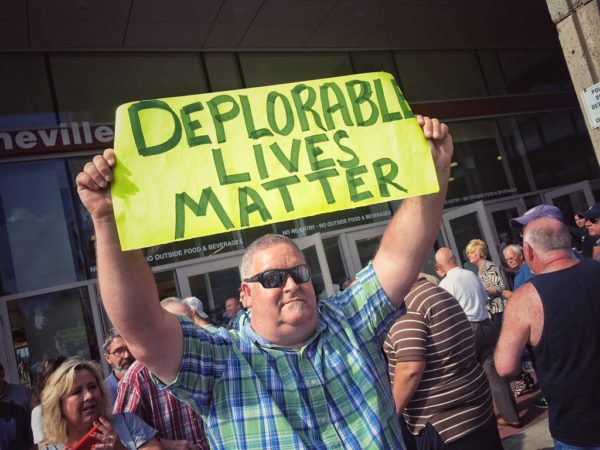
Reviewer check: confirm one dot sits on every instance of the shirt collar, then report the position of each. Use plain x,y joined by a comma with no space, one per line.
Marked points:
248,333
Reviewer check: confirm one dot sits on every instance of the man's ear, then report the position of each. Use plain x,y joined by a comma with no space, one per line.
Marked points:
246,291
106,357
527,253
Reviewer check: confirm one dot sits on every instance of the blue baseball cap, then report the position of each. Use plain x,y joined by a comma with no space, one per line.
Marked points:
592,213
534,213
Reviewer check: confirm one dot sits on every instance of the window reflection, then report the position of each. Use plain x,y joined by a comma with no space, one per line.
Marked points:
120,78
439,75
477,171
557,157
534,71
59,323
25,92
40,241
263,69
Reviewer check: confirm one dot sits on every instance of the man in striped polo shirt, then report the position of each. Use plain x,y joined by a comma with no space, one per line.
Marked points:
437,382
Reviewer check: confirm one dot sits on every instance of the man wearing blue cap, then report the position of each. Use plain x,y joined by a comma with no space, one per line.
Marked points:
524,273
557,314
592,217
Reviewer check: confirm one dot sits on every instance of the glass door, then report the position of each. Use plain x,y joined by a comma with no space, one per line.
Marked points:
314,253
215,278
46,324
360,245
570,199
468,222
499,212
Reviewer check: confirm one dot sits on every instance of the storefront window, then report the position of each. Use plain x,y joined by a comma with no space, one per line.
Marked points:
263,69
439,75
44,326
534,71
89,87
25,92
516,154
40,245
223,71
373,62
557,151
477,171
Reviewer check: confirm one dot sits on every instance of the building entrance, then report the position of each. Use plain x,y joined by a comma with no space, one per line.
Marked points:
70,320
489,220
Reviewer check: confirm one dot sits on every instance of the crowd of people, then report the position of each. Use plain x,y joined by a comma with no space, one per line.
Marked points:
397,359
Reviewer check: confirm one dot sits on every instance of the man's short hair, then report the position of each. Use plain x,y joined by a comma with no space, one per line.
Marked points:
167,300
109,338
177,301
266,241
546,234
516,249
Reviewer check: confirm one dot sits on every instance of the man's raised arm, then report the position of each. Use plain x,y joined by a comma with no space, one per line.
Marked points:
409,237
126,282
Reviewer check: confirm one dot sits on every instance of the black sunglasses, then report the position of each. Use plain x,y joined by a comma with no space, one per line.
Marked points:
276,278
595,220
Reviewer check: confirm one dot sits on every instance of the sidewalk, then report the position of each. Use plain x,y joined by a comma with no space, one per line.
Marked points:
534,437
534,434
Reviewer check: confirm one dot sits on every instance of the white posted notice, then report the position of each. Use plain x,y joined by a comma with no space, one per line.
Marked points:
591,100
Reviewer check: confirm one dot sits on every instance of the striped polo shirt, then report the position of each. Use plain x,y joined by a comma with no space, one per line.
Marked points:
453,394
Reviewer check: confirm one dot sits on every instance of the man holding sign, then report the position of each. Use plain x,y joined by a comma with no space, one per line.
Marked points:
298,375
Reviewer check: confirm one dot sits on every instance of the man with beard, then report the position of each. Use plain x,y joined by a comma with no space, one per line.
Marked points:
119,358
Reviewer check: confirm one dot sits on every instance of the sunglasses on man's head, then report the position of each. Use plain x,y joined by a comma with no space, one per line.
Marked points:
276,278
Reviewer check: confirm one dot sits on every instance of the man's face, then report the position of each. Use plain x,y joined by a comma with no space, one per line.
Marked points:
284,315
513,260
593,226
232,307
118,356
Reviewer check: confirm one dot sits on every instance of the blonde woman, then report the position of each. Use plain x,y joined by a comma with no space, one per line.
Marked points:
489,274
75,399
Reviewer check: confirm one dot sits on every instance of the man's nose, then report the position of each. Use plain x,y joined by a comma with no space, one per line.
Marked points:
290,283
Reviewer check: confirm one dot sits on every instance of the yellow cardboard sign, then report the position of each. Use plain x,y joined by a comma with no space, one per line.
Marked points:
204,164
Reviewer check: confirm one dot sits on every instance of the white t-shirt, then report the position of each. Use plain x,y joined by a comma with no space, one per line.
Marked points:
36,424
466,287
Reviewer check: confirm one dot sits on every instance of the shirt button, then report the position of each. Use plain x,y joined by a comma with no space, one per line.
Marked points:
323,420
314,382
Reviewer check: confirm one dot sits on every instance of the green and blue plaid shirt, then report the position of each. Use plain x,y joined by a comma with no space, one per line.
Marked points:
333,393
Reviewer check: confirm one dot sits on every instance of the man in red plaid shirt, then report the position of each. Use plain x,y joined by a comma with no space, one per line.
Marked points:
179,427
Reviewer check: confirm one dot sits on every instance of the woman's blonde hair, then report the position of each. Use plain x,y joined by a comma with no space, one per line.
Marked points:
57,386
477,245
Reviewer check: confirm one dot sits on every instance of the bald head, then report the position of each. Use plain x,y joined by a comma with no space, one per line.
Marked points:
444,261
547,235
444,256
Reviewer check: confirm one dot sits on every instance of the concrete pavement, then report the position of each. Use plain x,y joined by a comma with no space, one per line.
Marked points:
533,437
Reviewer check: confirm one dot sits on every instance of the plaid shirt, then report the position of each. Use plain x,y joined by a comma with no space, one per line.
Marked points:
157,407
333,393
